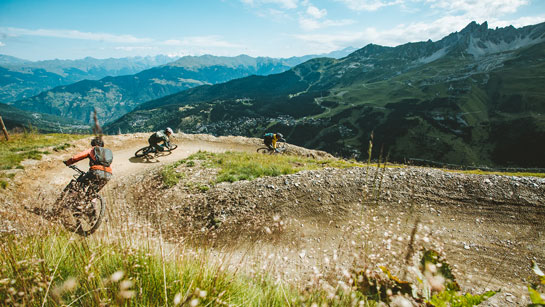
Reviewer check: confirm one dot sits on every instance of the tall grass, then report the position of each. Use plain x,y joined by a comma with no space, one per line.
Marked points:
61,269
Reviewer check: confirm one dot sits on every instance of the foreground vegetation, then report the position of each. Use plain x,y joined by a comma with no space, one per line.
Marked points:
61,269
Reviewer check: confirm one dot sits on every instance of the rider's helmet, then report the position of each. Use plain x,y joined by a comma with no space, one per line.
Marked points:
279,135
97,142
168,130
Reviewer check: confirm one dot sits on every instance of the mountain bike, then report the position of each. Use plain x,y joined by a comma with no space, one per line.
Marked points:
280,146
151,152
82,210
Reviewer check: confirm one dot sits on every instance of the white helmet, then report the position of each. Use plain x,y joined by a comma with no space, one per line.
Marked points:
168,130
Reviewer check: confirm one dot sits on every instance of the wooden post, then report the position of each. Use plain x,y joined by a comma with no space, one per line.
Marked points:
4,129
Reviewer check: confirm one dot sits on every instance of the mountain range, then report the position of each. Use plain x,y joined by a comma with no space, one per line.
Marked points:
114,96
21,78
475,97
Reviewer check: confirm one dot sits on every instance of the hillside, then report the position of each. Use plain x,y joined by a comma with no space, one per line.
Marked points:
113,96
21,79
305,227
471,98
15,118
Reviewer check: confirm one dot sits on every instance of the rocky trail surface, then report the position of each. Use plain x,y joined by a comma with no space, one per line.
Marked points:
313,226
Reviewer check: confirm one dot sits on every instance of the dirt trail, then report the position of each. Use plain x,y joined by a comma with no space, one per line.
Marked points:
310,226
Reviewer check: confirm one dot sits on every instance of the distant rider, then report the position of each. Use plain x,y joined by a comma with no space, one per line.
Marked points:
100,171
158,137
270,140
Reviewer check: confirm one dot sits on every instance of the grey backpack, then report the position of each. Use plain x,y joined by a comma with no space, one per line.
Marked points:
103,156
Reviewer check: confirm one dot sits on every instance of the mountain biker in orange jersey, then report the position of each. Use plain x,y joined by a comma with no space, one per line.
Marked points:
270,140
100,171
158,137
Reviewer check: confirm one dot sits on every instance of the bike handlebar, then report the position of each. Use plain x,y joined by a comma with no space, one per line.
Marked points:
76,169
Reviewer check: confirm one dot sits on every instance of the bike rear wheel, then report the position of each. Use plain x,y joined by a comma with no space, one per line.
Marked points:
142,152
263,150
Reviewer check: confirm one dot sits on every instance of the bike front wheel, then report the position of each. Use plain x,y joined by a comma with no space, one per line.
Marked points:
281,147
142,152
89,215
172,147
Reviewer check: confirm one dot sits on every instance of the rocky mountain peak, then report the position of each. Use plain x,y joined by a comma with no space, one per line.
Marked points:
474,27
478,40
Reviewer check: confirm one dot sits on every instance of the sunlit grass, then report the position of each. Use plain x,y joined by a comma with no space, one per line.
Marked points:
235,166
31,145
170,175
60,269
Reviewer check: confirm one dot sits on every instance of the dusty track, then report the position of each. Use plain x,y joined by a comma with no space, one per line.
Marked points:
315,223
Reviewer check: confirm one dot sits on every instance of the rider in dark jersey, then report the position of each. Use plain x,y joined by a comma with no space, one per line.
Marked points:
270,140
158,137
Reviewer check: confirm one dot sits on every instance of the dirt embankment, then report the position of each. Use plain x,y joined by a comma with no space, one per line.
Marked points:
488,226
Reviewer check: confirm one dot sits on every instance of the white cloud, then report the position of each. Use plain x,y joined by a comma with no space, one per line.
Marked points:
274,14
479,7
315,12
404,33
310,24
369,5
201,41
286,4
2,44
134,48
520,22
74,34
312,20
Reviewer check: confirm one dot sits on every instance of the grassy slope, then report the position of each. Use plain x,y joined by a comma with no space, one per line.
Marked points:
29,145
16,118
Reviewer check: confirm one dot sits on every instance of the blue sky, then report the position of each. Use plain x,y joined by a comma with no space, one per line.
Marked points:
48,29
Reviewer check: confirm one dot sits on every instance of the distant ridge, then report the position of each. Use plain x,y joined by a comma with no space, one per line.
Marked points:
16,118
115,96
20,78
475,97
